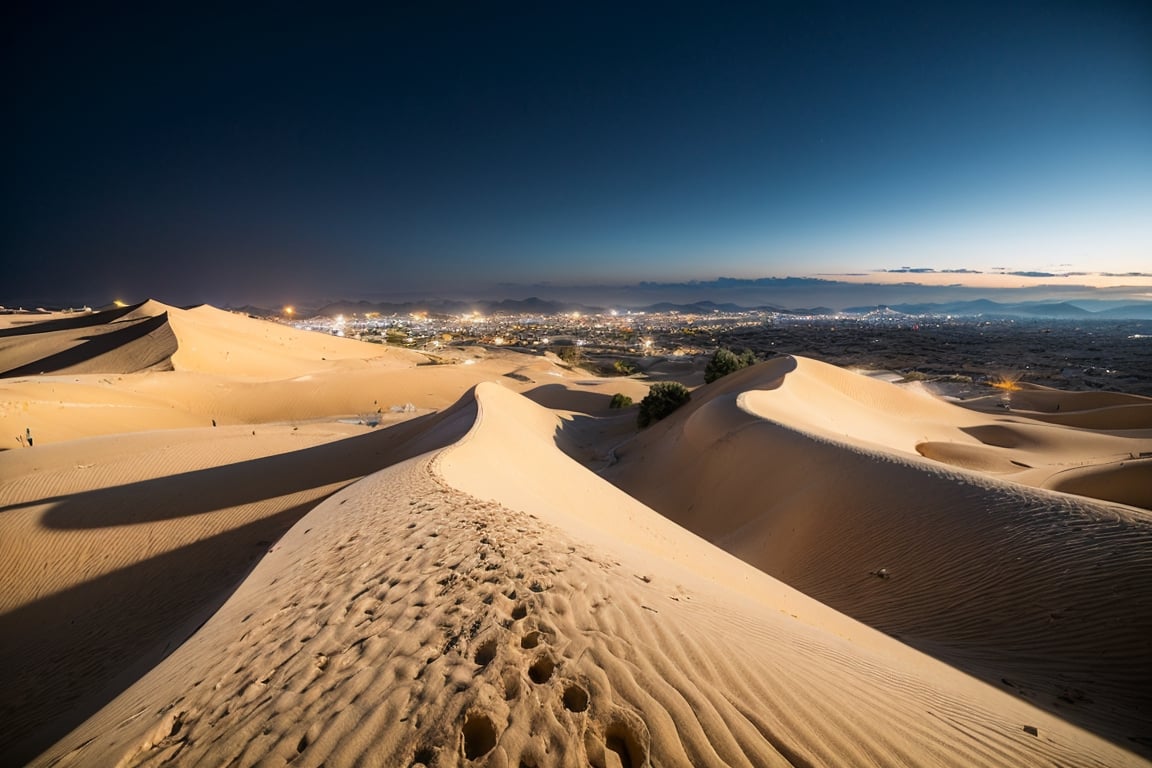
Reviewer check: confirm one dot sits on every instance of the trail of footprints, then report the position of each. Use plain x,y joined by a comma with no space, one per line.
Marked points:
437,630
432,627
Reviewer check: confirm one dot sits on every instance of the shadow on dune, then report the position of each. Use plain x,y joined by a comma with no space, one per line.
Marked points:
561,398
1115,417
106,632
591,441
1044,596
67,655
231,485
110,339
86,320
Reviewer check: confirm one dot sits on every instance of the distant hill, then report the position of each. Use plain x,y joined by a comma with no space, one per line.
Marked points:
877,309
807,311
1127,312
983,307
1065,310
1062,309
252,311
535,306
695,308
538,306
529,306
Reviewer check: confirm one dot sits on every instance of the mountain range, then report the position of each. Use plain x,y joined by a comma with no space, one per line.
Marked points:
537,306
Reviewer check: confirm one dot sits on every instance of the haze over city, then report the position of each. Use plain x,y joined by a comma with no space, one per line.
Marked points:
514,150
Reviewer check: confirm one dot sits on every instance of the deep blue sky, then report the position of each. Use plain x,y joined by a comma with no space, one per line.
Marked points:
282,155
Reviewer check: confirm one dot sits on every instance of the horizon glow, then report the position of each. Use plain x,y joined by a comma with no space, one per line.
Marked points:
414,152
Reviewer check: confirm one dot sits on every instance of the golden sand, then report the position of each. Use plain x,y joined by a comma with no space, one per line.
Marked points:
803,566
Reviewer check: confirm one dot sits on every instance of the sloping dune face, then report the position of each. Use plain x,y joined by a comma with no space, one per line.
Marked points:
112,546
154,336
496,604
125,340
150,367
814,475
216,367
219,342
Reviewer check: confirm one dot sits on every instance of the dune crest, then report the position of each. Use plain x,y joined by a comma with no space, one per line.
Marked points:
213,565
228,369
405,620
125,340
154,336
1045,595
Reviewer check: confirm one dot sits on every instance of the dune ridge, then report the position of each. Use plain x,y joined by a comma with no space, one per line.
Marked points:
1046,595
151,544
230,369
207,566
124,345
416,622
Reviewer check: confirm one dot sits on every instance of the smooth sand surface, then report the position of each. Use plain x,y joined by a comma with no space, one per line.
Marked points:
458,587
231,369
814,475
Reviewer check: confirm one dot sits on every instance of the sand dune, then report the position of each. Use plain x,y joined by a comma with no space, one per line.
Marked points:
215,341
122,345
134,537
457,587
1089,410
409,620
1047,596
231,369
154,336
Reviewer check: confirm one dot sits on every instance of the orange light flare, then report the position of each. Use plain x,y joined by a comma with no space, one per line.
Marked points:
1007,382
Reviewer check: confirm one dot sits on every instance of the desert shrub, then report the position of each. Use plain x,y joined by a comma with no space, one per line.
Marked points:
725,361
570,354
623,368
620,400
663,398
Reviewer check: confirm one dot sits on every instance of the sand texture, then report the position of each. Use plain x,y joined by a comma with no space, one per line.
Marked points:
801,567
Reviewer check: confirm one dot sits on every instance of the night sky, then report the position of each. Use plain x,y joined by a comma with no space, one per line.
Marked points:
277,155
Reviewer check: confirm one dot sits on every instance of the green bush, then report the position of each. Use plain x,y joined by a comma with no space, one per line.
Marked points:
570,354
663,398
725,361
623,368
620,400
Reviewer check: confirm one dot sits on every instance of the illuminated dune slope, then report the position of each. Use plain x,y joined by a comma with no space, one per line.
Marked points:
813,475
497,604
114,548
228,369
